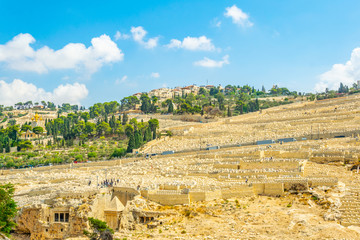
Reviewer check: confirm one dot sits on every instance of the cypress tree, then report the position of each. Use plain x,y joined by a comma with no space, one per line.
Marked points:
138,139
7,147
170,108
131,144
147,135
112,123
124,119
1,148
229,112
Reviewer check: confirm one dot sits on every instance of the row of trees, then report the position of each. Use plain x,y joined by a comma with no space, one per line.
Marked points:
30,104
78,126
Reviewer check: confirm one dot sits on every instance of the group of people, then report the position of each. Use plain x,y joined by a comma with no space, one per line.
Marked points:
107,183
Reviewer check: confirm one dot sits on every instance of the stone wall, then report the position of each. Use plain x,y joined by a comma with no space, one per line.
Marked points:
167,197
274,189
238,192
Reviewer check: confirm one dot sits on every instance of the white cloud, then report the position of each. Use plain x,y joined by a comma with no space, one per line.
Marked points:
139,33
121,80
193,43
207,62
125,82
216,22
347,73
119,35
20,91
17,54
238,16
155,75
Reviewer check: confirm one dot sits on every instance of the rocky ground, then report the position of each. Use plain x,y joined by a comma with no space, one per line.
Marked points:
312,215
288,217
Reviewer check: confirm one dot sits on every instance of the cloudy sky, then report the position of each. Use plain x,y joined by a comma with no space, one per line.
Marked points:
90,51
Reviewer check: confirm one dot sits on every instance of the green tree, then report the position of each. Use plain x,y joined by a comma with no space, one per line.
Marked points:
154,124
145,103
79,128
100,230
7,147
90,128
138,139
131,144
7,208
147,135
85,116
129,130
13,131
228,111
118,152
170,107
26,127
92,155
119,129
125,119
38,130
129,102
202,91
240,106
103,129
24,145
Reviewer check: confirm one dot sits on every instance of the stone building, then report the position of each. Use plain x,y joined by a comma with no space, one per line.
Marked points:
28,135
66,215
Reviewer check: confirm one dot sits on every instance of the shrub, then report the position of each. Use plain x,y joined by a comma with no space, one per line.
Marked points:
100,230
7,208
79,157
118,152
92,155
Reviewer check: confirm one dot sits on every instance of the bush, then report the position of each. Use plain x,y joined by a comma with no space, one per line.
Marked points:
92,155
118,152
100,229
7,208
79,157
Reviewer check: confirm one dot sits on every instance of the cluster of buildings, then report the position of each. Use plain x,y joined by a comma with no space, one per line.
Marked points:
167,93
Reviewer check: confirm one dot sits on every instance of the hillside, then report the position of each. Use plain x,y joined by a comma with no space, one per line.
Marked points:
297,190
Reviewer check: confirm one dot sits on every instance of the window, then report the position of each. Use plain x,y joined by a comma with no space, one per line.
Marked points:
61,217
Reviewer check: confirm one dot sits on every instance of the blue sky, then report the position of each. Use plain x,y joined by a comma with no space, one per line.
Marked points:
70,51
